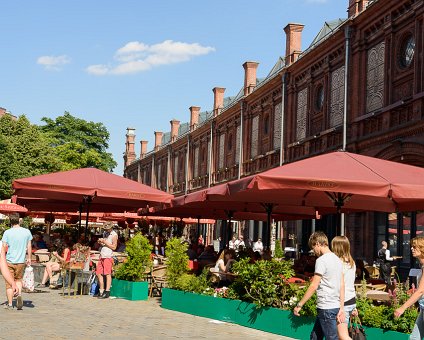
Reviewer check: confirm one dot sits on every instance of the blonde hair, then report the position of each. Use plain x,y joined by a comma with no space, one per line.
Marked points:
418,243
340,246
318,237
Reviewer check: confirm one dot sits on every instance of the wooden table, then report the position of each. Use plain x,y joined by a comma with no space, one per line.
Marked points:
378,295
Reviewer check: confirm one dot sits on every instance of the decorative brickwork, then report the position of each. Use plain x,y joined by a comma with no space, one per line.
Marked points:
375,77
237,145
254,137
277,126
221,151
302,110
337,97
196,162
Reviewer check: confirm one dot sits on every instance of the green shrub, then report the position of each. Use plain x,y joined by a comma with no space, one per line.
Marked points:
278,252
192,283
262,282
177,261
134,269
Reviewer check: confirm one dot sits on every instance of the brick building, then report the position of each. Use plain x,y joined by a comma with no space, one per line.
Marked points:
368,66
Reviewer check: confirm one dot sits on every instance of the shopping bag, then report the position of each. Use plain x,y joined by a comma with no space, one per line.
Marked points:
28,279
356,331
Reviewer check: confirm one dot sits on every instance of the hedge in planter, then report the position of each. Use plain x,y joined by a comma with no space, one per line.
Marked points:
129,279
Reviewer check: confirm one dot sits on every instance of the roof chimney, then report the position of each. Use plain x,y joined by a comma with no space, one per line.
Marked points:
249,76
143,148
129,155
175,125
218,100
158,140
194,117
293,42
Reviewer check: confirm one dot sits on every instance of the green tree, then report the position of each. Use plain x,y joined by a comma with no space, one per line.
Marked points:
24,152
79,143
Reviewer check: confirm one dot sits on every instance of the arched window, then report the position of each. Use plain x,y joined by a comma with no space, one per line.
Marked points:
266,125
407,51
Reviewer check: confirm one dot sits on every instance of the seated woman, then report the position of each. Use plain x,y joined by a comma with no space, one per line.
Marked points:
223,265
56,262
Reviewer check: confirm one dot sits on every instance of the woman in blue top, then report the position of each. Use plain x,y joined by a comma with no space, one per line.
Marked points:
417,248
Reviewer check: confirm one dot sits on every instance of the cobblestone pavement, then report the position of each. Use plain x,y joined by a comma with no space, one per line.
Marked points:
48,315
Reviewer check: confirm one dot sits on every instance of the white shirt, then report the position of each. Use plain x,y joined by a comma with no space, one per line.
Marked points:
238,243
258,246
330,268
349,280
106,252
231,244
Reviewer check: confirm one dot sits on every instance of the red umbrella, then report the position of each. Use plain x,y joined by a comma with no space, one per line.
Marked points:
201,204
84,188
340,181
7,208
97,186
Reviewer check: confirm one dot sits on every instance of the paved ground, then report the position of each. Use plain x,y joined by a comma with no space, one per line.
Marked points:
49,315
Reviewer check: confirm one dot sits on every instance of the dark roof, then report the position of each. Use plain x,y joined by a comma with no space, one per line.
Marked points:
329,28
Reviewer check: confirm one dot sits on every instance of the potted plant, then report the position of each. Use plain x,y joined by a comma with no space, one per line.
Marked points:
129,281
177,260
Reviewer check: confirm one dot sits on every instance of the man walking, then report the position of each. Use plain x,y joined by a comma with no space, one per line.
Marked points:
329,284
16,243
104,266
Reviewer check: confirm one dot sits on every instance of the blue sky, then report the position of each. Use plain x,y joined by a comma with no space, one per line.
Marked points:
140,63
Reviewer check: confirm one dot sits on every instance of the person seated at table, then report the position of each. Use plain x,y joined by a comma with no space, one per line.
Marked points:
361,271
223,266
266,255
56,263
38,242
191,253
121,245
208,255
255,256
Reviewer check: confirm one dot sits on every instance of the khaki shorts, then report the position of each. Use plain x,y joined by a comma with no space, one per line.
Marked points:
17,271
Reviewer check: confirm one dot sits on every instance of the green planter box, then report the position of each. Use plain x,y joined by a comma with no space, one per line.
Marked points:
246,314
129,290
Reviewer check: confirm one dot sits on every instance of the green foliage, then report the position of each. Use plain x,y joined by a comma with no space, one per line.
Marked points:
192,283
177,261
79,143
138,249
278,252
263,282
382,316
310,307
24,152
3,227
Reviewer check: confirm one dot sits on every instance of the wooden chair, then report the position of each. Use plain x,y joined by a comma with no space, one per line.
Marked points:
393,273
373,271
158,279
381,287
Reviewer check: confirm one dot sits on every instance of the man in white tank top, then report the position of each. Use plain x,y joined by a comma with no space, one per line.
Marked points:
105,264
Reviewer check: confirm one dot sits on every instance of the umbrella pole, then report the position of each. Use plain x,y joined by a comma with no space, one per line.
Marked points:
79,222
229,235
86,219
198,227
268,207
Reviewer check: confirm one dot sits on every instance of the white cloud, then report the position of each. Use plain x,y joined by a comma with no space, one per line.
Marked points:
137,57
53,63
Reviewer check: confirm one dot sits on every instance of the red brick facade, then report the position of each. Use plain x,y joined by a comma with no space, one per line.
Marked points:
376,56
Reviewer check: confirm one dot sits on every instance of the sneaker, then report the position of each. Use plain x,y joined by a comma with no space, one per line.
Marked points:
105,295
8,307
19,302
